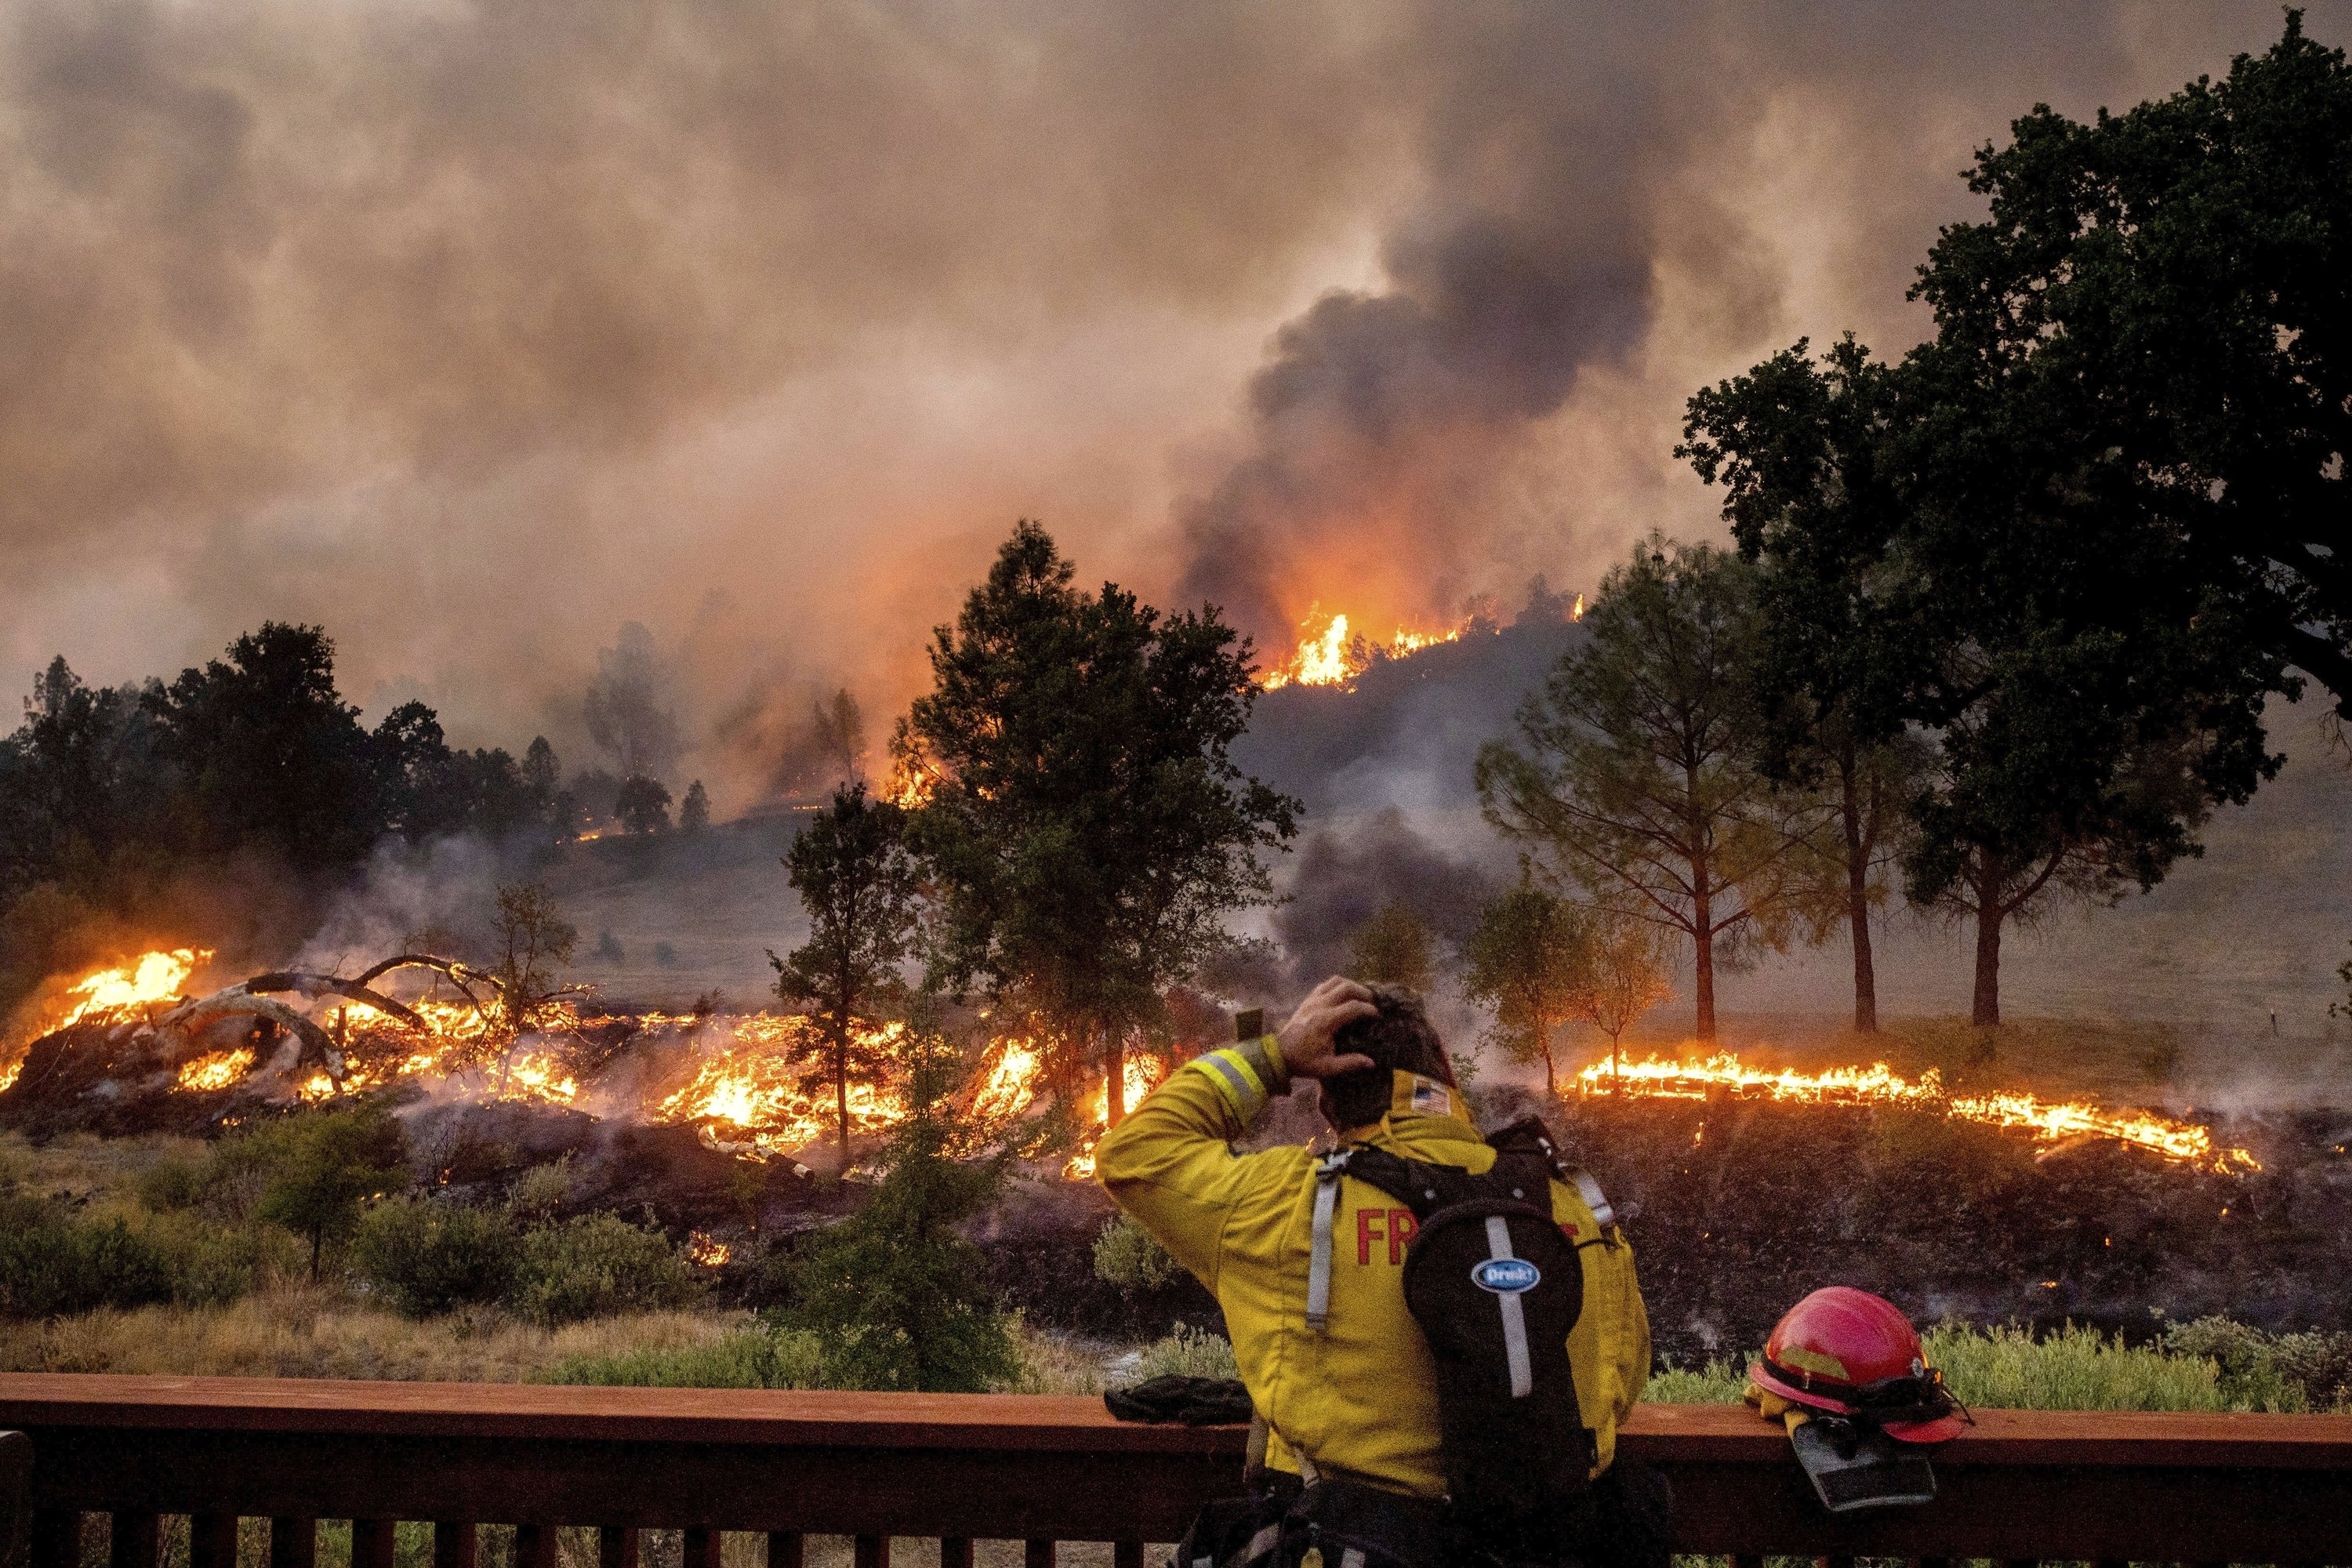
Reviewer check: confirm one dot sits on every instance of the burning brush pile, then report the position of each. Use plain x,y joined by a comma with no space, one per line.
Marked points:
127,1050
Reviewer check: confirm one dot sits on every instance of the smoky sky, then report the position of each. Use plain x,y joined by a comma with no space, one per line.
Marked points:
476,331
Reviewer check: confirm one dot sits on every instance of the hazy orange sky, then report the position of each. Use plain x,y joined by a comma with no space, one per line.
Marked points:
474,331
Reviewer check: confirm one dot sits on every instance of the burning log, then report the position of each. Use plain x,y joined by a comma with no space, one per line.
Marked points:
314,986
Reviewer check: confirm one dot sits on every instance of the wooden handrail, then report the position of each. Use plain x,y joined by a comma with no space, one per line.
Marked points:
2020,1485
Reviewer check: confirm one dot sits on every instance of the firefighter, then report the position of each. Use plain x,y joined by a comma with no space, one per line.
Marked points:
1358,1398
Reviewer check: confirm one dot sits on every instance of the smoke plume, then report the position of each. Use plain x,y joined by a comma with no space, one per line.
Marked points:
476,331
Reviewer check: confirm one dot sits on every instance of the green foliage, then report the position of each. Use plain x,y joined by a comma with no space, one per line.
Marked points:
1636,772
858,885
318,1167
2271,1372
424,1255
169,1184
1528,959
595,1265
747,1358
693,811
2212,1363
641,805
1186,1352
1126,1255
55,1261
894,1293
1395,947
1084,826
2155,304
2080,536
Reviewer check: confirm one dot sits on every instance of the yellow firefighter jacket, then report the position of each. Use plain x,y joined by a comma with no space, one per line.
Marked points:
1361,1396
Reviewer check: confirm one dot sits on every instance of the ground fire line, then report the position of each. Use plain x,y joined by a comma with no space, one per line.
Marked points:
737,1080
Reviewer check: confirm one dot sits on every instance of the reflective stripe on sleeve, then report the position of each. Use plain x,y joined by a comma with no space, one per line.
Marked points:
1515,1317
1236,1080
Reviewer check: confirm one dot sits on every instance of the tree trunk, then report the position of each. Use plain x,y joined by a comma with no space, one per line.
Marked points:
1551,1077
1857,908
1115,1081
1702,953
1987,1012
841,1092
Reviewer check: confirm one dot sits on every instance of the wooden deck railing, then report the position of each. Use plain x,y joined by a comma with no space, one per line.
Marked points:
2023,1485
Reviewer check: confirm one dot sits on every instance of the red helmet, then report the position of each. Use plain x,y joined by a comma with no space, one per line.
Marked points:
1853,1354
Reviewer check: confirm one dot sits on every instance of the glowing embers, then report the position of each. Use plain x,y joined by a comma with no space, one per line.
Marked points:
1335,655
750,1084
1878,1084
216,1070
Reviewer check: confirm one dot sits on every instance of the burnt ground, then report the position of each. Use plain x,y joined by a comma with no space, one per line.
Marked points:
1737,1209
1949,1218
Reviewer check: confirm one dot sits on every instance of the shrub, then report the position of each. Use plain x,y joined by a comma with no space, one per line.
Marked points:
319,1167
427,1256
2309,1370
596,1264
1126,1255
747,1358
1189,1352
173,1184
211,1265
52,1261
895,1295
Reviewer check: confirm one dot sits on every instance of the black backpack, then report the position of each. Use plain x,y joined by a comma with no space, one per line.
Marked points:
1496,1287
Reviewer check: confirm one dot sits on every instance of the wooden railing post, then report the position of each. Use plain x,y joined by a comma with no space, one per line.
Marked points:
534,1546
375,1543
787,1549
57,1539
955,1552
293,1543
705,1547
872,1551
1127,1555
1036,1554
211,1541
454,1545
617,1547
134,1541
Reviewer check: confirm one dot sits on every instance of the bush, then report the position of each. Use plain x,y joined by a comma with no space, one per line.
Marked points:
2270,1372
318,1167
895,1296
596,1264
173,1184
427,1256
211,1265
1126,1255
1188,1353
52,1262
747,1358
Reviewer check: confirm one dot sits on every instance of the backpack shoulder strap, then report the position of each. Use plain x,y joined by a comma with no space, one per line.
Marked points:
1421,1186
1530,1138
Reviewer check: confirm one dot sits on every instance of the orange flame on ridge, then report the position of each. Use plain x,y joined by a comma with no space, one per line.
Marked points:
1659,1078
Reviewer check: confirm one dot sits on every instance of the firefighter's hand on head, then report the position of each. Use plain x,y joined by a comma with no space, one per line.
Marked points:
1306,1040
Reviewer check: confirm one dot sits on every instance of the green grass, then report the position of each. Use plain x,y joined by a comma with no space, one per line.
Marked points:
2210,1365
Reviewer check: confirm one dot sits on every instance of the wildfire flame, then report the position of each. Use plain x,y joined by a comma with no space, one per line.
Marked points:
150,978
1878,1084
1140,1076
1336,655
708,1251
216,1070
121,992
